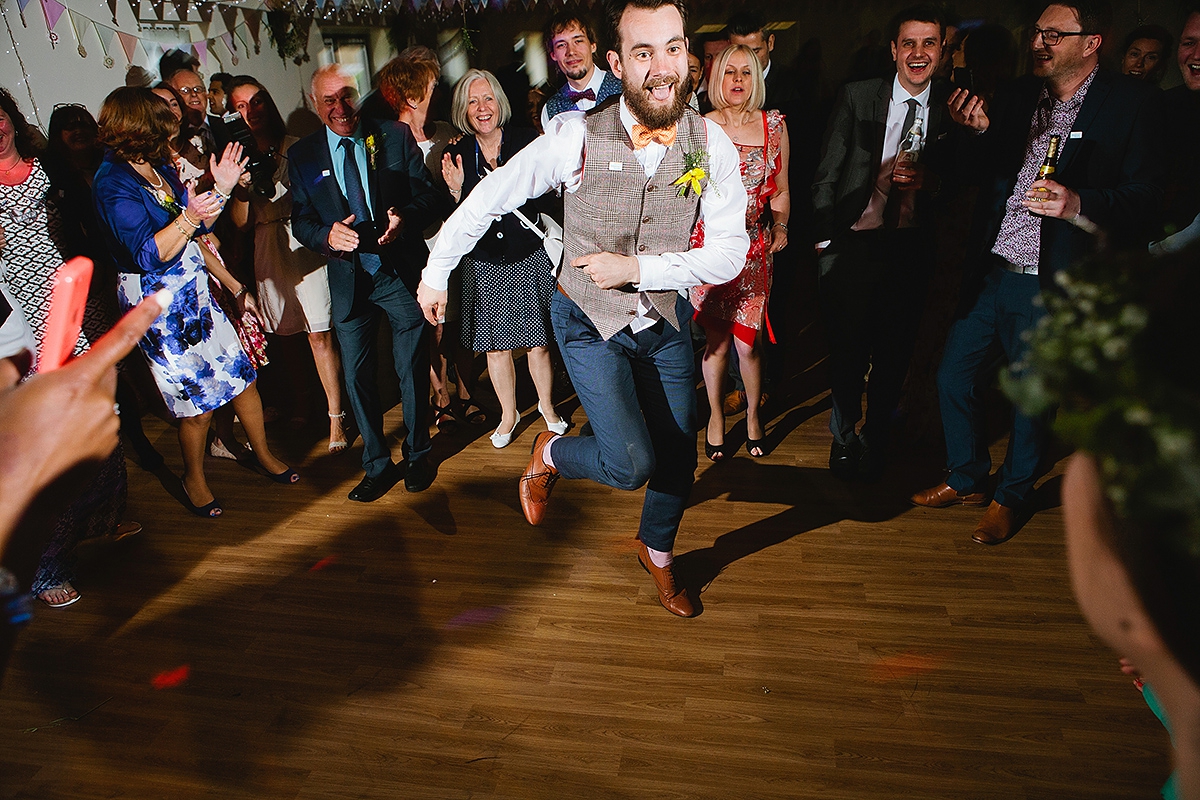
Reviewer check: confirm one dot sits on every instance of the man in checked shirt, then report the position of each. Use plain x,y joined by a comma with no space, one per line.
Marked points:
1109,176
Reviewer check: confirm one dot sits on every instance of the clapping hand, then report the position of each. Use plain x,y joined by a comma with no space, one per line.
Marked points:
342,238
394,228
453,174
229,169
968,110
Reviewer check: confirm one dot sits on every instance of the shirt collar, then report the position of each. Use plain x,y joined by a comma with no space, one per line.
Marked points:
1076,99
335,140
593,84
767,69
900,95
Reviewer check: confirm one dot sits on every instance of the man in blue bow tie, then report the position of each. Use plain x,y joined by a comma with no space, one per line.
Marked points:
571,42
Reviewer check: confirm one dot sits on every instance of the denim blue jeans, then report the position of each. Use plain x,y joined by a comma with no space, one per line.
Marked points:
639,393
1001,314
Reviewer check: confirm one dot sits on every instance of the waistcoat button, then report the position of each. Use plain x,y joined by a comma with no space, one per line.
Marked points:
645,220
641,248
650,188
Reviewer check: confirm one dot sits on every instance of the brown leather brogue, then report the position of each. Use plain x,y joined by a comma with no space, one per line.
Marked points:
673,597
944,495
997,526
537,480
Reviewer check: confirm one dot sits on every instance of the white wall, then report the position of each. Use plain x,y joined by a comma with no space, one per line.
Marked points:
60,75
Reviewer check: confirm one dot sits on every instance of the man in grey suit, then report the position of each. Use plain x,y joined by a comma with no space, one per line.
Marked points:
873,261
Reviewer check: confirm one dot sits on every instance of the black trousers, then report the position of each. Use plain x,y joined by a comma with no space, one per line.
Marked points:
872,288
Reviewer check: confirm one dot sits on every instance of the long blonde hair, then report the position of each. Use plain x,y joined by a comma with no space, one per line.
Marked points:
758,88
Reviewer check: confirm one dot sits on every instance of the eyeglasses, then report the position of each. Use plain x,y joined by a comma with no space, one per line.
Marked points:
1052,37
57,106
186,90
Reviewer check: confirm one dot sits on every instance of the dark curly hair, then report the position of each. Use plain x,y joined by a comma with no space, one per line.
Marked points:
137,124
26,145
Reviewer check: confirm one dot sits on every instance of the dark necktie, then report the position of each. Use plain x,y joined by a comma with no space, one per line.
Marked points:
356,198
575,97
891,211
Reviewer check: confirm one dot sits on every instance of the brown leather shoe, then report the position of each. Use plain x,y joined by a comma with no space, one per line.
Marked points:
943,495
537,480
997,526
672,597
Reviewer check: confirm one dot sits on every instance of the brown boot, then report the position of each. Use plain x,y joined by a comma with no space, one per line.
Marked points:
537,481
997,526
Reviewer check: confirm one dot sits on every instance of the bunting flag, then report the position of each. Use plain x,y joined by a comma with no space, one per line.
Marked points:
229,14
136,7
181,9
227,38
52,10
78,23
205,9
112,6
253,24
106,36
128,43
21,8
201,49
158,8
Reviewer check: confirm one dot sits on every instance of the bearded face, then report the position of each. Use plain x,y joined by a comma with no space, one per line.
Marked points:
659,101
652,64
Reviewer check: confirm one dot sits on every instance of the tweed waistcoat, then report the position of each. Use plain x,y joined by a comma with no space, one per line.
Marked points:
618,210
558,102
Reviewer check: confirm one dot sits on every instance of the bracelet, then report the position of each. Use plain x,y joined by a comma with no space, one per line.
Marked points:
186,233
188,219
238,294
779,225
224,197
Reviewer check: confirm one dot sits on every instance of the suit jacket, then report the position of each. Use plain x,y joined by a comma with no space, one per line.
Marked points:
1112,159
398,180
853,151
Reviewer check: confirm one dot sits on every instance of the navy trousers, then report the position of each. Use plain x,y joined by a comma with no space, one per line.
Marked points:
382,295
1001,313
639,393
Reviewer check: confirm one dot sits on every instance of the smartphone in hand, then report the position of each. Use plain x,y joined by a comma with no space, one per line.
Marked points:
67,301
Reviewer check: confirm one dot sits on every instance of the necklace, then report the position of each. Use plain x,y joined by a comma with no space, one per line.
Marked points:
161,179
16,164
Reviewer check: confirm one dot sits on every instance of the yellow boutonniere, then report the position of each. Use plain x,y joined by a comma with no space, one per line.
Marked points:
690,180
372,150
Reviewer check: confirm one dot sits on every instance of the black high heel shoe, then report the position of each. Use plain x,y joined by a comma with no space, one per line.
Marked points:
714,452
755,447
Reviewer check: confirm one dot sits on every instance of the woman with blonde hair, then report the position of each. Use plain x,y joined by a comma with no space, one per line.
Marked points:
736,312
507,280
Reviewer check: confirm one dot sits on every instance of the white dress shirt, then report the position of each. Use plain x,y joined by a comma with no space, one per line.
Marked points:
338,157
582,104
872,217
556,159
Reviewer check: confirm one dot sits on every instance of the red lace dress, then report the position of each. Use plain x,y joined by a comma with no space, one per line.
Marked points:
740,306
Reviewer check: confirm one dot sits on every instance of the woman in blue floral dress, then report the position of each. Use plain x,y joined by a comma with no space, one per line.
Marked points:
153,224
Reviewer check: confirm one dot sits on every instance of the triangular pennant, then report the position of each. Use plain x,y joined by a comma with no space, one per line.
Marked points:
136,7
112,6
205,9
253,24
53,11
79,23
22,4
229,14
128,42
105,35
201,49
181,9
158,8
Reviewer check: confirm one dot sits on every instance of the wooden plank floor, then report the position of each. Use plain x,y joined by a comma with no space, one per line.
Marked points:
436,646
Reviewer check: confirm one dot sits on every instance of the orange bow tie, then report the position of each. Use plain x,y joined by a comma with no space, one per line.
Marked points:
642,136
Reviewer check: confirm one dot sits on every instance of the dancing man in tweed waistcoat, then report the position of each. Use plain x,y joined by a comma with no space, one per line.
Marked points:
619,317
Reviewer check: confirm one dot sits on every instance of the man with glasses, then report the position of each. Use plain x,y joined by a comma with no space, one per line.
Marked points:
361,196
191,88
1109,179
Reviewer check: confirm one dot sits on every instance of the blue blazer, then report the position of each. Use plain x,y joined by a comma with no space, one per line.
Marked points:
398,180
1113,160
131,216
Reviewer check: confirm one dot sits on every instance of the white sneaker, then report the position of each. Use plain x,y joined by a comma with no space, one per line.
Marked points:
501,440
559,427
